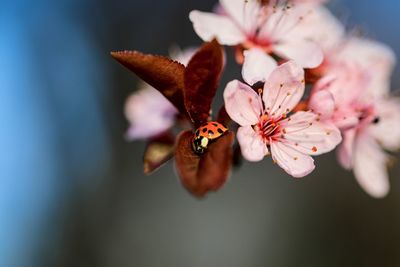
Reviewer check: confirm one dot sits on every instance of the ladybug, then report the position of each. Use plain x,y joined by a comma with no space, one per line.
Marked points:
205,134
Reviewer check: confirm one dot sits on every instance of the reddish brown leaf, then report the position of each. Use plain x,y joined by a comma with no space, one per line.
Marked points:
158,151
202,77
208,172
164,74
223,116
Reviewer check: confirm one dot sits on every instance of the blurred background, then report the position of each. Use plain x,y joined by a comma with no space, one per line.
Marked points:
72,192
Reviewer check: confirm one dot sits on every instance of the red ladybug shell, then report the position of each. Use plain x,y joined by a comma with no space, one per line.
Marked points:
211,130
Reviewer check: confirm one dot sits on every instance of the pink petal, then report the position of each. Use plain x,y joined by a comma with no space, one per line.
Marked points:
182,56
209,26
251,144
345,123
345,150
281,22
268,28
257,65
149,113
304,133
306,53
242,103
322,27
283,89
244,13
322,102
346,82
370,167
292,161
376,58
387,129
369,54
346,117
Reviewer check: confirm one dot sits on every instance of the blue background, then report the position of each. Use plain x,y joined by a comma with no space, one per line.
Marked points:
72,192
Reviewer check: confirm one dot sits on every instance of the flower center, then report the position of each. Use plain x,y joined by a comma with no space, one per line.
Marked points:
268,128
264,44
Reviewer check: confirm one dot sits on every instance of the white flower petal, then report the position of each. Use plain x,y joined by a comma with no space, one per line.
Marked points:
369,53
257,65
322,27
242,103
346,149
323,103
376,58
283,89
306,53
281,22
345,81
209,26
182,56
244,13
149,113
251,144
305,134
387,128
292,161
370,167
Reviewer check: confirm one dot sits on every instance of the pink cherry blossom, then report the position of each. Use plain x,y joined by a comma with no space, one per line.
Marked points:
363,146
265,122
148,111
355,72
269,28
376,59
353,95
336,96
322,27
367,127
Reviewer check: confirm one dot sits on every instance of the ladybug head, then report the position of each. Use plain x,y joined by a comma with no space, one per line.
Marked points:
200,144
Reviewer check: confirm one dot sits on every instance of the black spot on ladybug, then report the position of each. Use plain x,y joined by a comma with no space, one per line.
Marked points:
204,130
210,132
216,125
220,131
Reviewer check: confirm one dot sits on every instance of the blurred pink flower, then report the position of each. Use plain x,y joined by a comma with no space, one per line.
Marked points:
269,28
148,111
354,95
336,96
376,59
356,71
322,27
363,146
264,121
